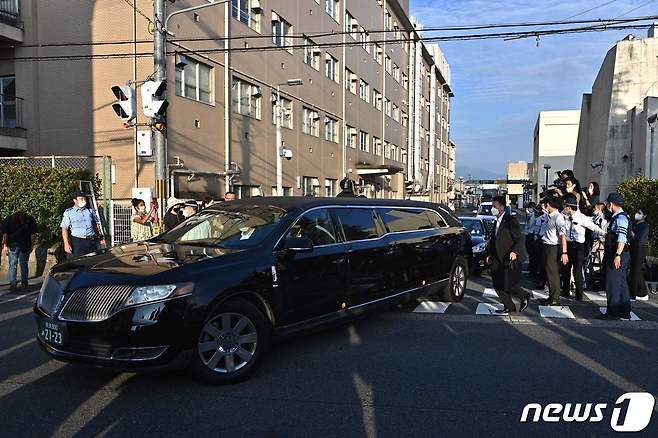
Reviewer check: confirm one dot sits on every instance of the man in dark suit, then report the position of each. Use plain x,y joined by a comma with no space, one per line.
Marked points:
506,247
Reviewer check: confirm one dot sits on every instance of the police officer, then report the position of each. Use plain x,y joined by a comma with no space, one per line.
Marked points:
616,260
80,229
348,189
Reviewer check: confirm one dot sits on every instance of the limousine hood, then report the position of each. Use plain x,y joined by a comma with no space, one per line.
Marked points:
138,260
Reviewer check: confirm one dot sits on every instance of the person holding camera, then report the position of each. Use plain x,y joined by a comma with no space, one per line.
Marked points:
141,225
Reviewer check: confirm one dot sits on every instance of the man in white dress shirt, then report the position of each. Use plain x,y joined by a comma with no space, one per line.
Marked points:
555,249
576,225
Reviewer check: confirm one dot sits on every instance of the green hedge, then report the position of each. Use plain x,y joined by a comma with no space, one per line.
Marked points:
642,194
42,192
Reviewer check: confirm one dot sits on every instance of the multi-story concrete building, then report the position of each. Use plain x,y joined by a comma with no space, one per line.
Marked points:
555,136
519,175
374,106
614,141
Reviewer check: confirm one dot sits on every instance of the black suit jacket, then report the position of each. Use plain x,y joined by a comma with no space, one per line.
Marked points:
508,238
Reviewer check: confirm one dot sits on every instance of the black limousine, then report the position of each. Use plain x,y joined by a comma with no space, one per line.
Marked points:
215,292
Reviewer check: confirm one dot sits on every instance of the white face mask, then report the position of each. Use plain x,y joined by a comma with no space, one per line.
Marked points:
82,203
591,190
639,216
570,189
494,211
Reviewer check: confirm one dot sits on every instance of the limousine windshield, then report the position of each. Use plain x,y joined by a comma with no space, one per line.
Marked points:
234,227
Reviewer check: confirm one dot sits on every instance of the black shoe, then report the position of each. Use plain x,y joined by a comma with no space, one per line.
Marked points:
13,288
578,298
504,311
607,317
550,302
524,304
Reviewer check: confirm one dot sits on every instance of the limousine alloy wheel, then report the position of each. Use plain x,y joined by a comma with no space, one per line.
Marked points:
232,343
458,279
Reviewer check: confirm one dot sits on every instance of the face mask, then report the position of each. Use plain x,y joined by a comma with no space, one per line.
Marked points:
81,204
570,189
591,190
639,216
494,211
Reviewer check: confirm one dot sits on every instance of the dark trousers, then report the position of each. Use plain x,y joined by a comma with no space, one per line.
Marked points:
83,246
552,255
616,286
505,295
531,249
576,253
636,283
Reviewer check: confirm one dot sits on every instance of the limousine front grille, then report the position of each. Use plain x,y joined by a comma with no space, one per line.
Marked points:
95,303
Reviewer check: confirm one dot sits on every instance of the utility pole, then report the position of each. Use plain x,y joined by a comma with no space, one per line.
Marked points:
279,161
160,64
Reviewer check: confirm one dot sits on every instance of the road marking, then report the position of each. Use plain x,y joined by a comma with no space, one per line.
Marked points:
432,307
15,314
489,309
539,295
634,317
19,297
595,296
488,292
13,348
556,312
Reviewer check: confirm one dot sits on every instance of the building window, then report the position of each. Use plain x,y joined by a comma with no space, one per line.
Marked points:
364,90
8,110
332,7
394,152
377,99
195,81
281,32
311,54
396,72
387,150
364,39
405,81
363,141
330,187
405,119
377,54
286,113
349,19
350,137
243,192
331,129
311,122
247,12
287,191
388,63
396,113
351,81
332,68
404,156
376,146
387,107
246,98
311,186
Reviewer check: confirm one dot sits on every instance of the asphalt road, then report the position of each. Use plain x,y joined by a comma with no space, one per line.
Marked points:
393,374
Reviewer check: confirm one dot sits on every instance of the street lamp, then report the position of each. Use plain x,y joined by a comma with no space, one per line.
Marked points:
652,121
279,142
547,167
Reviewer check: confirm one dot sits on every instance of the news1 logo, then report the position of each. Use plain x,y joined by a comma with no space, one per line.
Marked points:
631,412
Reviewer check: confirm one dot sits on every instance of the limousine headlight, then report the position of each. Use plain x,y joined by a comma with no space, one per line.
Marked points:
480,247
148,294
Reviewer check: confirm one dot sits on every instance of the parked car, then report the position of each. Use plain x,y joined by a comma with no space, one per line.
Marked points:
216,290
484,213
479,239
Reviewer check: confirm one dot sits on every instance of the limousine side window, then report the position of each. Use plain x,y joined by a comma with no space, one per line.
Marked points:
357,223
405,219
315,225
436,219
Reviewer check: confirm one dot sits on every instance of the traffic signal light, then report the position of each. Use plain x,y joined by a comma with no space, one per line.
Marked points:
126,105
154,102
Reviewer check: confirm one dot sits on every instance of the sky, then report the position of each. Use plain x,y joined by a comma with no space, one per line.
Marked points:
500,86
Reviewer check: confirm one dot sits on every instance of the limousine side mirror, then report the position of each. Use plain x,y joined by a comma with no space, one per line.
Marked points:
299,244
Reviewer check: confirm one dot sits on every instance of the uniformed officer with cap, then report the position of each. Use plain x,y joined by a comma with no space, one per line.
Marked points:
616,260
348,188
81,231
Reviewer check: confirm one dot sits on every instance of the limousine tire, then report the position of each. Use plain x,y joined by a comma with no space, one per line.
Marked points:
232,344
456,287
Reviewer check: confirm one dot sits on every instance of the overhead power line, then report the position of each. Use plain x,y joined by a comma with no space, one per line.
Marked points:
440,38
462,28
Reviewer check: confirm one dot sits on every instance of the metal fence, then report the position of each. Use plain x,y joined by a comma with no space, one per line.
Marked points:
98,166
121,217
10,12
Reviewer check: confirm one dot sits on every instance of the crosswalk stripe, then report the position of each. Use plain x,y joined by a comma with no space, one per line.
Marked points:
539,295
488,292
594,296
556,312
488,309
432,307
634,317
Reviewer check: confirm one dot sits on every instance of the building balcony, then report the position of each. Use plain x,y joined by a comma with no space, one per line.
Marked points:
13,136
11,26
